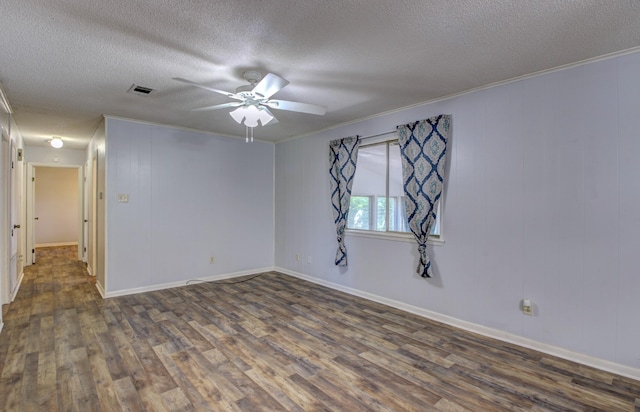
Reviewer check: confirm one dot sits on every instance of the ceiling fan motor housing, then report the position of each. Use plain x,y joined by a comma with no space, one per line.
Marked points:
252,76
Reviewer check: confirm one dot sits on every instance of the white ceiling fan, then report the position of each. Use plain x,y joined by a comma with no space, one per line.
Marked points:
254,100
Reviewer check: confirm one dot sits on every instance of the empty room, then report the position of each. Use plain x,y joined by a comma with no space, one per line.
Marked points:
320,206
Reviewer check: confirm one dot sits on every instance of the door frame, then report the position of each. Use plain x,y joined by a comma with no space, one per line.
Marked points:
5,243
15,270
30,206
92,196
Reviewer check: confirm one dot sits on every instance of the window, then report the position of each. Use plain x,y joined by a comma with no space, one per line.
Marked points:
377,195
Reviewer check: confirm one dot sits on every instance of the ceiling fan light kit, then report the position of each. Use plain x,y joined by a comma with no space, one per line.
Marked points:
254,100
251,114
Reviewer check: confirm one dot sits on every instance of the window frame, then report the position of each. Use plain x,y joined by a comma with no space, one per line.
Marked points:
373,200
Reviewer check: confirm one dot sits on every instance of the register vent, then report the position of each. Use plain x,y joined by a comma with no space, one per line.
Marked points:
141,90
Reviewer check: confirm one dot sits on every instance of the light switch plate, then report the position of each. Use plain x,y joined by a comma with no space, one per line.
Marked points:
123,198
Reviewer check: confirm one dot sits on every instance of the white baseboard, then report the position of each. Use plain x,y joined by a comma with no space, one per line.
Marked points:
1,326
57,244
100,289
583,359
15,291
89,271
182,283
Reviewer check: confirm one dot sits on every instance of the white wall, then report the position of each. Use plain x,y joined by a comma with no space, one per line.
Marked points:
39,154
56,205
190,196
542,202
97,149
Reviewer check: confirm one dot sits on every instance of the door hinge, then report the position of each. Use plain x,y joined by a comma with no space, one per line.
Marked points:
33,251
33,179
85,250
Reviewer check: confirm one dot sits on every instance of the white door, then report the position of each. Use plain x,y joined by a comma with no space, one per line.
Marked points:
14,223
85,212
93,218
31,219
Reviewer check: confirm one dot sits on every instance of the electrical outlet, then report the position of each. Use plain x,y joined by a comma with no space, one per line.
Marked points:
211,260
527,307
297,257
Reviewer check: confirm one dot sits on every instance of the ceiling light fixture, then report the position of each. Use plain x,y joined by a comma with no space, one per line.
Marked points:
56,142
251,114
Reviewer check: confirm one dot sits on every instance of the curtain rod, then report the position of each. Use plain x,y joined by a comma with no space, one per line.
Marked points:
377,135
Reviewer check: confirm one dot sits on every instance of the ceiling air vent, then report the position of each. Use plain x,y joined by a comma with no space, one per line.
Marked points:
141,90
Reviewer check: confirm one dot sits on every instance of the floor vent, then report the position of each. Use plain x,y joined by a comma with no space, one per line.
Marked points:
141,90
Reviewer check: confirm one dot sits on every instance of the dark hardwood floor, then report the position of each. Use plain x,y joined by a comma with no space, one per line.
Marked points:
269,343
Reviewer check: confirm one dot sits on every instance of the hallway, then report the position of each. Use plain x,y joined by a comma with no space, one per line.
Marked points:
46,338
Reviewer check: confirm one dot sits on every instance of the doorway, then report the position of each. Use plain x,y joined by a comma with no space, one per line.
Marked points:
11,262
54,208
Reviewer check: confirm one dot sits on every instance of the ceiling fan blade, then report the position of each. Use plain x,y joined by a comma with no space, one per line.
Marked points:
211,89
297,107
217,106
270,85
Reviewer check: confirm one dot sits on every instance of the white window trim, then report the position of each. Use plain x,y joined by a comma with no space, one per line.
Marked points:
394,236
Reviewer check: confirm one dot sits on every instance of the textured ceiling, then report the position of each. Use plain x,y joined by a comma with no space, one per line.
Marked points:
64,63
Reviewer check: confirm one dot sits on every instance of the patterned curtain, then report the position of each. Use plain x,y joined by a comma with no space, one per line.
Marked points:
343,155
423,148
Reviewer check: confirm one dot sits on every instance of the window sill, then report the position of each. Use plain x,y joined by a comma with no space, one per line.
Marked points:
394,236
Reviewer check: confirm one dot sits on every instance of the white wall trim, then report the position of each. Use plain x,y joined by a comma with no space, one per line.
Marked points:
100,289
182,283
4,102
1,326
583,359
407,237
15,291
57,244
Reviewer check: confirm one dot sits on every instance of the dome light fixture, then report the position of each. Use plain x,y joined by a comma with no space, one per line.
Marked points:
56,142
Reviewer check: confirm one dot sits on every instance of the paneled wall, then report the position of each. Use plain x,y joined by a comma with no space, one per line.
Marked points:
541,202
190,197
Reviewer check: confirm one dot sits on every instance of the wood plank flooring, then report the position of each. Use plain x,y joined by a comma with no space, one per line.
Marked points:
270,343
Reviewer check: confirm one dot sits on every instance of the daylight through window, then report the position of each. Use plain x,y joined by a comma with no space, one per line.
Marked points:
377,196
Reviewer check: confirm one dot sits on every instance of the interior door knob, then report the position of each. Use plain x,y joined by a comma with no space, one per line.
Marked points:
16,226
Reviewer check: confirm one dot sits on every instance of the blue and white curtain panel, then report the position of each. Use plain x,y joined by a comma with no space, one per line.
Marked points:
423,148
343,155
